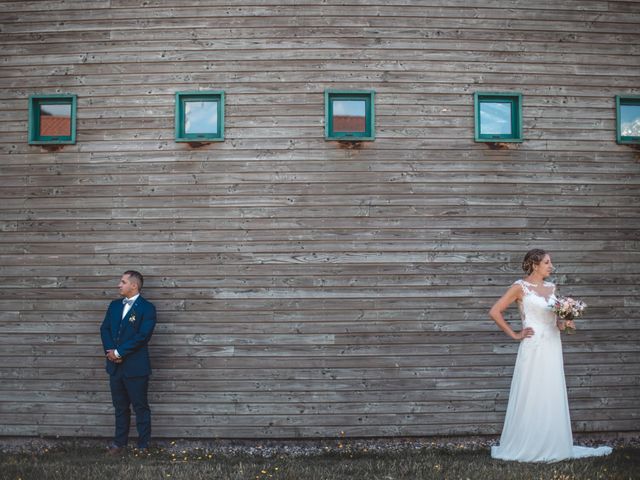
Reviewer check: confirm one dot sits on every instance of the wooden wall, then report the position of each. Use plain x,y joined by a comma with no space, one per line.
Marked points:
307,288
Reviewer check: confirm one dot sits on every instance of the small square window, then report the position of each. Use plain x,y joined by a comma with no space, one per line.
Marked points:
199,116
52,119
628,119
349,115
498,117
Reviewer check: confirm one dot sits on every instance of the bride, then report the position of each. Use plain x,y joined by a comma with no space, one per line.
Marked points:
537,427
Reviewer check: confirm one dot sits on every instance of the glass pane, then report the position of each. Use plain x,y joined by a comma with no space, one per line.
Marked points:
349,116
200,116
55,120
630,120
495,118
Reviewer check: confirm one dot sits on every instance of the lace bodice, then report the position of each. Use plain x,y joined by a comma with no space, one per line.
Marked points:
535,308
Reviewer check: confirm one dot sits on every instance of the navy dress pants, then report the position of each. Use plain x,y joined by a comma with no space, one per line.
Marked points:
126,392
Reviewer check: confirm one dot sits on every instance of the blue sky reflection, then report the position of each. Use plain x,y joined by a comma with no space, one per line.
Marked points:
349,115
495,118
56,110
630,120
349,108
201,117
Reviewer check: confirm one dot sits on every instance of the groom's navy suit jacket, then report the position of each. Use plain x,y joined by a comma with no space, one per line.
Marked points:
130,336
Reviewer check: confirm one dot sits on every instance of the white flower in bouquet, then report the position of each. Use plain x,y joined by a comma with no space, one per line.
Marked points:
568,308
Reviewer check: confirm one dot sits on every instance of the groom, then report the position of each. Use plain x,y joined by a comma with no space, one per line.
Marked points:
126,331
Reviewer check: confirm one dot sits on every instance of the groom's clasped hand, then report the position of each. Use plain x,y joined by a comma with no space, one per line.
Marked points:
111,356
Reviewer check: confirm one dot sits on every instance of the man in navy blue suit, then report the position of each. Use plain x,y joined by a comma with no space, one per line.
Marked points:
126,331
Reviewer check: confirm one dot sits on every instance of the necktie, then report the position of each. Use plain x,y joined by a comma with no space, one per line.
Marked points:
127,301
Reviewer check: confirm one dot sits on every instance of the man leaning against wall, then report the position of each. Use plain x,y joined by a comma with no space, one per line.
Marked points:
126,331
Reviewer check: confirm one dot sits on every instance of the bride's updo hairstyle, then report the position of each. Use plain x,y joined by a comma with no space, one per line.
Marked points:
532,258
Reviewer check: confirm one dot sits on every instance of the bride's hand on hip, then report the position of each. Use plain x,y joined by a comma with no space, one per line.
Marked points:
524,333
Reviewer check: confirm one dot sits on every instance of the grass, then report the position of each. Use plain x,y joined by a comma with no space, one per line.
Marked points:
83,463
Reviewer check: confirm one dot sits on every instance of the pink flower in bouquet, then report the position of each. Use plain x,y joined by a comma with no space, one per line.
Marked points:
568,308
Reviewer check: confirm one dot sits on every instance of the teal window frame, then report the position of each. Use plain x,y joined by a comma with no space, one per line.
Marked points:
620,101
181,99
515,100
35,101
369,98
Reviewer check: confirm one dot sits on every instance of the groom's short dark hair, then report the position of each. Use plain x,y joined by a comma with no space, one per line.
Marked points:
136,276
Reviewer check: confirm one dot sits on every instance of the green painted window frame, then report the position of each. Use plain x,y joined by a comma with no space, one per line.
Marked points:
515,99
35,101
620,101
181,98
368,96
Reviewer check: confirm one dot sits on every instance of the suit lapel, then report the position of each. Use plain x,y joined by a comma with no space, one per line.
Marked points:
117,318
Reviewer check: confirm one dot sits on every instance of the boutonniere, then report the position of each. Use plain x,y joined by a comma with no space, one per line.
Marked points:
132,317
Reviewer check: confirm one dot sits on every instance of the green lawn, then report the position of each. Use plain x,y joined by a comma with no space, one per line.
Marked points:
87,463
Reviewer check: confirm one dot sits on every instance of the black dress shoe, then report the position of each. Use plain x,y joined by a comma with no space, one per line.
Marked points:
115,451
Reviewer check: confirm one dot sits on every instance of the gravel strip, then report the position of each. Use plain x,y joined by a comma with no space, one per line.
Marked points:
271,448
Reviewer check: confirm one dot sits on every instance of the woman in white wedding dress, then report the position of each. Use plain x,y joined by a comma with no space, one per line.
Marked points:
537,427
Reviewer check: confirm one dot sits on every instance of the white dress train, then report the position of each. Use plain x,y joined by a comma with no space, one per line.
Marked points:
537,426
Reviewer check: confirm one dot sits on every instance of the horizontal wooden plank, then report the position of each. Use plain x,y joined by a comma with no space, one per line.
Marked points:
246,432
313,140
198,248
516,239
346,339
197,398
251,258
435,133
603,192
56,330
357,16
311,431
428,69
542,4
92,358
319,77
294,373
375,412
363,384
400,53
424,212
296,306
335,420
345,351
158,274
263,277
120,18
196,35
346,167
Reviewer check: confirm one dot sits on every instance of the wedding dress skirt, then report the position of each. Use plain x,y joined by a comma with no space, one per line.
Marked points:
537,426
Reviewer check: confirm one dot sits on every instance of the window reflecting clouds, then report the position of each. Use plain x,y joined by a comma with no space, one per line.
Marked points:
495,118
201,117
630,120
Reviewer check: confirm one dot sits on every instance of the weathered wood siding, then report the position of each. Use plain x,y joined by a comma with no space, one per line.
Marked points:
304,287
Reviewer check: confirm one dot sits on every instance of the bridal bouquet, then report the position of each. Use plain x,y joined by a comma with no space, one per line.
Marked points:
568,308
